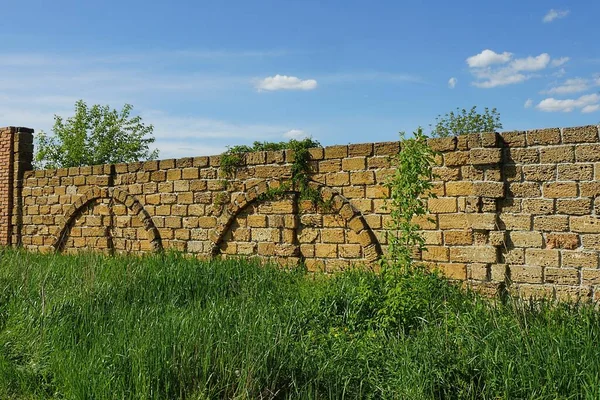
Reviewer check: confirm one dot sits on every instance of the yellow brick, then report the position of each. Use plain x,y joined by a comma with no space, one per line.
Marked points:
453,221
579,259
354,164
435,253
257,221
442,205
562,276
551,223
526,239
336,152
482,254
580,134
560,189
326,250
362,178
587,224
461,188
525,274
349,250
457,238
542,257
332,235
207,222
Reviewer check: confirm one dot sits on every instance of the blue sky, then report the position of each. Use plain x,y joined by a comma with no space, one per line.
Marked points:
208,74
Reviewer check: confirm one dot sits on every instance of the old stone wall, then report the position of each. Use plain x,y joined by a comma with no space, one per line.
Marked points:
515,210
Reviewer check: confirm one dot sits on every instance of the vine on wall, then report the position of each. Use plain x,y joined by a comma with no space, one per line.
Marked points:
234,157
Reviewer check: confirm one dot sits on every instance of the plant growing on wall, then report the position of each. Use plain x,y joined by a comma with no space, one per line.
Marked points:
410,187
462,122
234,157
95,135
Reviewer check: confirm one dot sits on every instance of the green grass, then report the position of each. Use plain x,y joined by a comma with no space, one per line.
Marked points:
168,327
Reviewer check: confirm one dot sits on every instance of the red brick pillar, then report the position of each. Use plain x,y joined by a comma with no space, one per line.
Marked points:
16,155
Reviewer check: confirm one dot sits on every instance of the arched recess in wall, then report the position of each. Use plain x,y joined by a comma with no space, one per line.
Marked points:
338,235
115,197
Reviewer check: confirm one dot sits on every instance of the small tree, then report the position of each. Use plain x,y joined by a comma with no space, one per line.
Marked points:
463,122
95,135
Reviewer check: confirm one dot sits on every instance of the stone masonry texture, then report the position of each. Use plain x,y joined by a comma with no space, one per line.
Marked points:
517,211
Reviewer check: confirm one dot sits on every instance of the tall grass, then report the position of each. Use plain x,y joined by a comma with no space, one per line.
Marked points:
165,327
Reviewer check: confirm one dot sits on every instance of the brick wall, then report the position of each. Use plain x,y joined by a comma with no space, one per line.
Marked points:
16,152
515,209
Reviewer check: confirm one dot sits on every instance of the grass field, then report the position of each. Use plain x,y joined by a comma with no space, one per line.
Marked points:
167,327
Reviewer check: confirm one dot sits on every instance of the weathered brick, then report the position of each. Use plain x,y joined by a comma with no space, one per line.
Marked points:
362,178
538,206
435,253
562,241
588,153
585,224
488,189
485,156
515,221
458,238
521,156
539,173
581,134
557,154
551,223
483,254
360,149
574,206
485,221
457,158
560,189
525,189
514,138
542,257
454,270
525,274
580,259
543,136
561,276
460,188
453,221
442,144
526,238
386,148
354,164
575,172
442,205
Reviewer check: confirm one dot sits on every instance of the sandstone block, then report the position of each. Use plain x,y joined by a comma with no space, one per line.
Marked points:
521,156
515,221
460,188
514,138
525,189
588,153
454,270
456,159
435,253
525,274
543,136
332,235
386,148
442,205
542,257
540,173
336,152
488,189
575,172
562,276
580,259
485,221
442,144
453,221
581,134
585,224
526,238
485,156
557,154
574,206
478,254
568,241
362,178
538,206
560,189
360,149
326,250
354,164
551,223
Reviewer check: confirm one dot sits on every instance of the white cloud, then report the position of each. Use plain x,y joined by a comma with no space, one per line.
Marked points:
528,103
591,108
452,82
573,85
531,63
284,82
511,71
557,62
488,57
296,134
588,102
555,14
